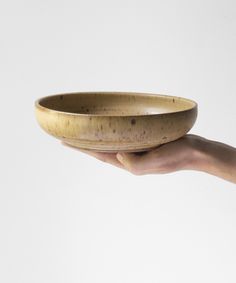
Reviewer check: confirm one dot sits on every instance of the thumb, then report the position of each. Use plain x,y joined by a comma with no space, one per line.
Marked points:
131,162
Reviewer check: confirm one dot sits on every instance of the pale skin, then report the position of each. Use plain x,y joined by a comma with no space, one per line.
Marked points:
190,152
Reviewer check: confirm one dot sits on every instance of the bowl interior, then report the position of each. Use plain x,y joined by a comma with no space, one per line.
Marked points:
115,103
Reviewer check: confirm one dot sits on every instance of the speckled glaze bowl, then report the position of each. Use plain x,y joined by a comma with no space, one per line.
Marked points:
115,121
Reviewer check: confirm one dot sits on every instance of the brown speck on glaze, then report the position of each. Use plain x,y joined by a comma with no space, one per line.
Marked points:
164,138
87,110
144,132
101,127
90,118
68,123
133,121
173,100
114,130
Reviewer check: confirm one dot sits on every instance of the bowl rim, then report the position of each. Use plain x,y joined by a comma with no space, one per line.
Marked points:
40,107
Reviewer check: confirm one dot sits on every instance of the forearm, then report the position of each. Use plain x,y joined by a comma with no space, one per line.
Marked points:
215,158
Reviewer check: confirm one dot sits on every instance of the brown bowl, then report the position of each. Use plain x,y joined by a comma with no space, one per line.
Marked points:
115,121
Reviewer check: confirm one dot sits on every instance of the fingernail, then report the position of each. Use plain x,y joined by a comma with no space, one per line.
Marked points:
120,157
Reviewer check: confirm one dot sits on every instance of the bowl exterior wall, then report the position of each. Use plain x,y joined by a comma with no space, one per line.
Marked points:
116,133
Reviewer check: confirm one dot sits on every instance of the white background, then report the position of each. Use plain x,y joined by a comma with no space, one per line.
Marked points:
66,217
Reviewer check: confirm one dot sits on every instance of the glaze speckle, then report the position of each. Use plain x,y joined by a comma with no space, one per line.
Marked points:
133,121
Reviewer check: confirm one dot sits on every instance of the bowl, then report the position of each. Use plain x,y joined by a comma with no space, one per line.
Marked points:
115,121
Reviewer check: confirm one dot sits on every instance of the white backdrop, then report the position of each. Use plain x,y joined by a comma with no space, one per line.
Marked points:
66,217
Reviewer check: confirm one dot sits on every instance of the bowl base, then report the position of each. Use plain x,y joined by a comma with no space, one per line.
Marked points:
111,148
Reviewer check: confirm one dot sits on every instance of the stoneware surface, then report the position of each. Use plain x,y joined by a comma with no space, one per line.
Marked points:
115,121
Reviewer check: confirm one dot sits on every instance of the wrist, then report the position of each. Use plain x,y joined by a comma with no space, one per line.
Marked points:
212,157
198,157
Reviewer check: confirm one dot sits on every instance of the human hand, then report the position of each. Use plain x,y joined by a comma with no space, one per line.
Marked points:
177,155
191,152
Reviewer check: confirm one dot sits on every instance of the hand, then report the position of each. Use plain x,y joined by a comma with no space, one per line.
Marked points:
170,157
190,152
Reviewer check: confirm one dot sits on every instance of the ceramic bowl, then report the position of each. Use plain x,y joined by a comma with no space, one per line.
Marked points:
115,121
